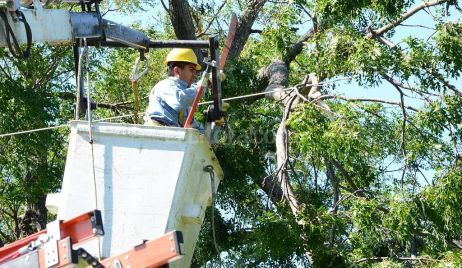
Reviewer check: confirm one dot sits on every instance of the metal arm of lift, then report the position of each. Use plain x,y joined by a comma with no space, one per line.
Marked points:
62,27
43,245
54,247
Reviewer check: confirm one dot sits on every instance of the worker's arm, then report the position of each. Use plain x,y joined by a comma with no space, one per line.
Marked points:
187,95
187,98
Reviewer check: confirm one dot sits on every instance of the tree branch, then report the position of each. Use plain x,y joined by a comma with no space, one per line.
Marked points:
403,17
282,153
7,74
351,194
394,258
106,105
401,94
330,173
48,74
345,174
215,16
296,48
325,97
165,7
271,188
403,128
246,21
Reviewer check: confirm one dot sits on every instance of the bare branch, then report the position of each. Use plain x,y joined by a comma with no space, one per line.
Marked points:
215,16
420,92
403,128
395,258
401,94
7,74
330,173
252,31
451,87
457,243
165,7
325,97
352,184
296,48
404,17
386,42
109,10
418,26
345,174
312,17
48,73
351,194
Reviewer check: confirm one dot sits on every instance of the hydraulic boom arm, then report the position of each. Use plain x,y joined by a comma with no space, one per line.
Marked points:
61,27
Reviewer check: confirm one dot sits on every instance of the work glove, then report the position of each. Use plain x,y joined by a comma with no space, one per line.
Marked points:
224,108
221,76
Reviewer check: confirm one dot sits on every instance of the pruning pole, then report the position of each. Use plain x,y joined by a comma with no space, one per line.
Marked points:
202,85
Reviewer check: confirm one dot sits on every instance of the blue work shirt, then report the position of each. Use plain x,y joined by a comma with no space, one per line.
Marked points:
170,101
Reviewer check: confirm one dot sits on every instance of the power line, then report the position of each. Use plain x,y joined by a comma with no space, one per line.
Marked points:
201,103
31,131
59,126
277,90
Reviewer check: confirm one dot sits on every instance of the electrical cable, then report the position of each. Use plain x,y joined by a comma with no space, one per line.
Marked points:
201,103
9,33
276,90
209,169
89,120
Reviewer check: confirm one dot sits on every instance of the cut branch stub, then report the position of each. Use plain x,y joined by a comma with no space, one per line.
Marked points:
276,73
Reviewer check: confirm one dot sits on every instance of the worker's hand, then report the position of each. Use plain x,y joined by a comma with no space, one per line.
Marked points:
221,76
220,122
224,108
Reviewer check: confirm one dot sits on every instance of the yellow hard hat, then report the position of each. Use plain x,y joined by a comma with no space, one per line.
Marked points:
183,55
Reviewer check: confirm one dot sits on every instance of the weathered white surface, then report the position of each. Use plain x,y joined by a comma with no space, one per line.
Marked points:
48,25
149,180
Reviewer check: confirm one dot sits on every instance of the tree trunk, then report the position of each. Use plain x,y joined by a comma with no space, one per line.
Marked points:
35,217
35,214
244,27
181,18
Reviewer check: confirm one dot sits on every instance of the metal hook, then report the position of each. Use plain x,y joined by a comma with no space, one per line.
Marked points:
136,76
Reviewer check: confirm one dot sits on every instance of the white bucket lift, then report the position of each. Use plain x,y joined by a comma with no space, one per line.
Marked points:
147,181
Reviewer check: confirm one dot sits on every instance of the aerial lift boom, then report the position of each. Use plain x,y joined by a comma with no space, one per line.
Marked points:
24,22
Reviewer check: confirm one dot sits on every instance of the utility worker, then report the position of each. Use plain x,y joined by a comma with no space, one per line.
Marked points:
170,99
